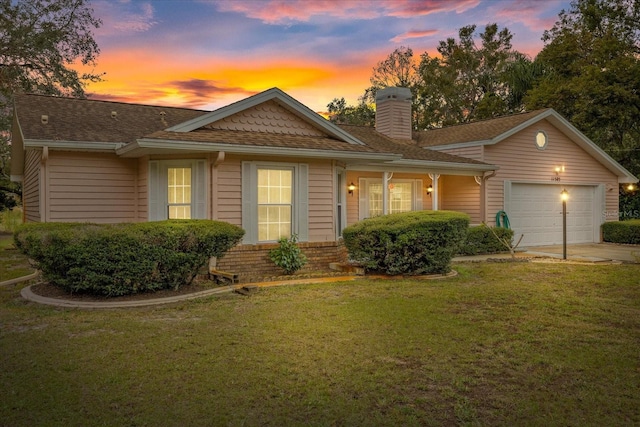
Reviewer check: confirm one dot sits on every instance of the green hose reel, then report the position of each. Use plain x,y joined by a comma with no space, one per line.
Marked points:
502,220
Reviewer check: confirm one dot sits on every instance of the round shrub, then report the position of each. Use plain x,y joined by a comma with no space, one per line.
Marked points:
622,232
123,259
421,242
481,240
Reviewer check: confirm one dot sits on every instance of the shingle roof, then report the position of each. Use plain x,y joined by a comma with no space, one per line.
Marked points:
407,149
260,139
471,132
73,119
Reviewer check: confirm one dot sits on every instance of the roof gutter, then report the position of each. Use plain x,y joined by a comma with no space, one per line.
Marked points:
105,147
129,150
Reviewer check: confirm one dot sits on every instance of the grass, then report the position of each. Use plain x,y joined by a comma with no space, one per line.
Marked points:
501,344
13,264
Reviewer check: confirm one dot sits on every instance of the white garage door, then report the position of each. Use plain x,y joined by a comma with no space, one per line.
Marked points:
535,210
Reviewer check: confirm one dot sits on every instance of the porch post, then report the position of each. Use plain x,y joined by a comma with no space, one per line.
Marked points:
434,196
385,193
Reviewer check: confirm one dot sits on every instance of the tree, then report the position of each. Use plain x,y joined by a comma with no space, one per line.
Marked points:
591,74
362,114
397,70
40,40
468,82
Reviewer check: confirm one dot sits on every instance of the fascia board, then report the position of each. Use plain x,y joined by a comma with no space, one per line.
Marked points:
447,165
458,145
203,147
434,167
283,99
73,145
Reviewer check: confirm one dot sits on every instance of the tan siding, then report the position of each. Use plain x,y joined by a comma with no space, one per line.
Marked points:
229,190
520,160
321,202
475,153
91,187
461,193
143,189
31,186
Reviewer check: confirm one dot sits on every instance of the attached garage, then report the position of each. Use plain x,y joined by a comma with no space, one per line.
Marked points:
535,210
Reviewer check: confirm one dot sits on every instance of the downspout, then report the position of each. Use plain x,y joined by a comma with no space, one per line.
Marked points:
44,185
385,192
483,195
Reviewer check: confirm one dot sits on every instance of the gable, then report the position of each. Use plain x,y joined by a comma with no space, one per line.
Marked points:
267,117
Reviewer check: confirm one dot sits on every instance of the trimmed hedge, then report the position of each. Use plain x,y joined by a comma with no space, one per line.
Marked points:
421,242
124,259
480,240
622,231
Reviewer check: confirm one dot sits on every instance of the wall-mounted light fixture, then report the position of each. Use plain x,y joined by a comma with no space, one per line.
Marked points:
351,187
430,190
558,170
631,188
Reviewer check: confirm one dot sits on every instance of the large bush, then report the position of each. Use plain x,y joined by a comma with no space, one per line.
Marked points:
481,240
124,259
421,242
622,231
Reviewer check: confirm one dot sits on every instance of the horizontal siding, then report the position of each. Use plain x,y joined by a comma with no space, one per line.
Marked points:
475,153
229,191
31,186
521,161
143,189
321,202
462,194
91,187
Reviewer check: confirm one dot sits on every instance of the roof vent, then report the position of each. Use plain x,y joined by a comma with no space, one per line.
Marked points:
162,118
114,114
44,119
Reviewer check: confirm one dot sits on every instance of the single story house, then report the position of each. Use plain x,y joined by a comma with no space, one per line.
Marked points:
274,167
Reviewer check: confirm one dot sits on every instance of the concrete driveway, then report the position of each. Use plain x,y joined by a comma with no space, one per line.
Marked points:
590,252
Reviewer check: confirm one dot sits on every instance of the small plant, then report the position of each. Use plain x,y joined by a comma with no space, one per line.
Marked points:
506,242
288,255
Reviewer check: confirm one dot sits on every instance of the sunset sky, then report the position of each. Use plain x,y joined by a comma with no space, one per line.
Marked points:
207,54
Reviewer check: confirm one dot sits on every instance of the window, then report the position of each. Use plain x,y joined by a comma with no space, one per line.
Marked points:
177,189
274,201
402,196
275,198
179,193
541,140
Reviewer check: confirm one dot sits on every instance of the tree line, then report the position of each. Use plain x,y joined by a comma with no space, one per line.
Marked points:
588,71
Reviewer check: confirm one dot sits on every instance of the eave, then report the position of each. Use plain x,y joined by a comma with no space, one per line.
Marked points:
144,147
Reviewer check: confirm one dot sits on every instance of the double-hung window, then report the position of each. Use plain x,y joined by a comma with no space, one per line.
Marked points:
403,195
177,189
274,201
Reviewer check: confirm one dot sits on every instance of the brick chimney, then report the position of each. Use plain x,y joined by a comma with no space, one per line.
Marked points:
393,112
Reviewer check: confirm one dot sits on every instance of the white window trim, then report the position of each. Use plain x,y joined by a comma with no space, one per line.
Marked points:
363,183
158,187
300,202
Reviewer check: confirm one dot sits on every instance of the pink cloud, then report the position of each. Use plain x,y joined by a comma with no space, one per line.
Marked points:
528,13
283,11
136,17
413,34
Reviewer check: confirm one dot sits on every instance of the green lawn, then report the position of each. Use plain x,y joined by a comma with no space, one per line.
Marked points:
12,263
500,345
